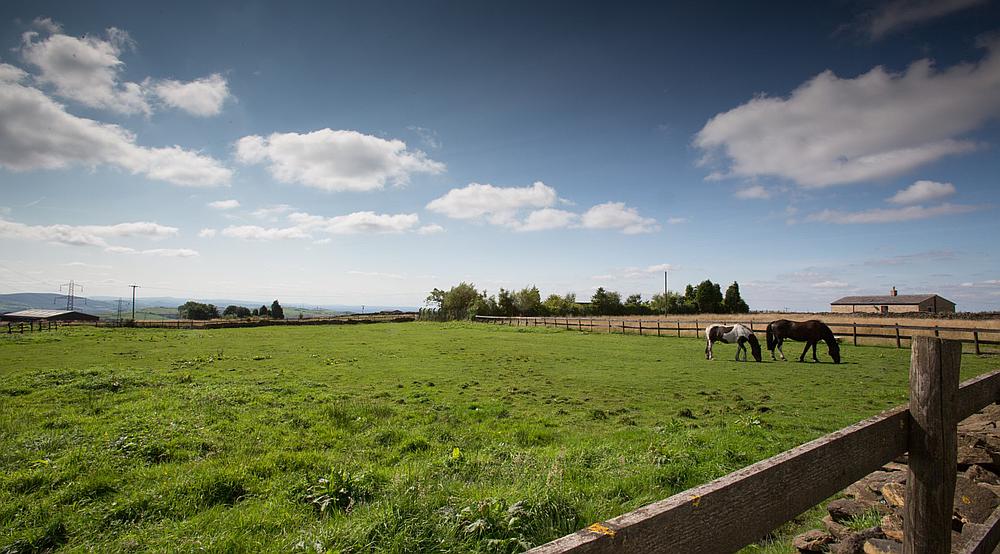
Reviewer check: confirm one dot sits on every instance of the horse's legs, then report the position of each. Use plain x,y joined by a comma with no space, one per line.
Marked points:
741,346
780,351
708,349
802,358
815,359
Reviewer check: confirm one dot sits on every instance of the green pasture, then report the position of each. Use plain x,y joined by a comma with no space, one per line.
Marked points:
388,437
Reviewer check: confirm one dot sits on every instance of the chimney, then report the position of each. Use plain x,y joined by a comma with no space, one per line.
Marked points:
892,292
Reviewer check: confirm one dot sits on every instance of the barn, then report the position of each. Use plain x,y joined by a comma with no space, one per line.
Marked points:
893,303
48,315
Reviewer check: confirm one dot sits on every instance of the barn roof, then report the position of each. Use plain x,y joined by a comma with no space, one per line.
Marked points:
43,314
886,299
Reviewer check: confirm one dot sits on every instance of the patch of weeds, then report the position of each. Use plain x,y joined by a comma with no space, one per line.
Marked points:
418,444
342,490
47,539
685,412
870,518
598,415
140,447
218,489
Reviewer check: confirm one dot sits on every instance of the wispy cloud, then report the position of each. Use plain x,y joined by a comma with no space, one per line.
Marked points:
890,215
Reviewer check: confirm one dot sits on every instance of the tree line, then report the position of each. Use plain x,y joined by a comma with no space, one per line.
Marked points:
198,310
464,301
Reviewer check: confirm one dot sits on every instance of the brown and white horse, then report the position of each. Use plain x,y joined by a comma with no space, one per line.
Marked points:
730,334
811,332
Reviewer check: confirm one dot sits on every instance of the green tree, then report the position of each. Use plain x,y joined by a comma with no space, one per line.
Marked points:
255,312
708,298
276,310
460,302
733,302
236,311
528,301
505,302
262,312
606,302
197,310
635,306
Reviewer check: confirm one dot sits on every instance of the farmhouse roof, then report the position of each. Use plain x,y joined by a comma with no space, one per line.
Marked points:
904,299
43,314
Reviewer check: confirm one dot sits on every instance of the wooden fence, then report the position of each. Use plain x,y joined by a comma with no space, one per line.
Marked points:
230,323
744,506
886,333
40,325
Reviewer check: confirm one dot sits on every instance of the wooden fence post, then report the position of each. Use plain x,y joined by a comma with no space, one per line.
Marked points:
936,331
898,345
678,329
640,327
975,339
697,329
855,333
932,445
657,327
623,326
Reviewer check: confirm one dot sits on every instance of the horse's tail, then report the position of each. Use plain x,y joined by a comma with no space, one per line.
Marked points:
831,343
770,337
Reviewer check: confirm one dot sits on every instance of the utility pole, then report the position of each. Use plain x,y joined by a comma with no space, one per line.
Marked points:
120,302
666,285
133,300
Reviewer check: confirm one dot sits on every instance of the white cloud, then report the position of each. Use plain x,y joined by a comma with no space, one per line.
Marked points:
922,191
499,205
11,74
901,14
831,285
84,235
256,232
660,268
335,160
85,69
548,218
165,252
506,206
38,133
207,233
431,229
616,215
890,215
753,192
224,204
357,222
271,212
880,124
202,97
428,136
676,220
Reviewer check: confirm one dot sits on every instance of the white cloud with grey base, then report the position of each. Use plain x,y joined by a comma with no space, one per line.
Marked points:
833,130
530,208
335,160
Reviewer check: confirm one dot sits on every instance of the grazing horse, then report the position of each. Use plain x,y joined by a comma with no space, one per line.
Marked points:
811,332
730,334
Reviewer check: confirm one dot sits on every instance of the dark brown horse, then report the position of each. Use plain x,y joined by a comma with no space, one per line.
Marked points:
811,332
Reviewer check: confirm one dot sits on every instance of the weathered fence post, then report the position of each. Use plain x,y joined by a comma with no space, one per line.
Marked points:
898,345
657,327
697,329
855,333
640,327
975,339
678,329
623,326
932,445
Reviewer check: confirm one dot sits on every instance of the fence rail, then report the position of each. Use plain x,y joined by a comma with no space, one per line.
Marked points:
744,506
966,335
19,326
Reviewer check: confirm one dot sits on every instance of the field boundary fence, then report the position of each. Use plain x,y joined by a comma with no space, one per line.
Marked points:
870,333
32,326
350,319
743,507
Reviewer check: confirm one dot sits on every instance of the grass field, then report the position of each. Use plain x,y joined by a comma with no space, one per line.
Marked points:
387,437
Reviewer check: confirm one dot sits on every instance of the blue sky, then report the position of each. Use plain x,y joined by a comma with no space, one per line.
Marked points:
365,153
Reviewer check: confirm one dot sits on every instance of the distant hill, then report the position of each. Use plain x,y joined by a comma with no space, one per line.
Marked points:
165,307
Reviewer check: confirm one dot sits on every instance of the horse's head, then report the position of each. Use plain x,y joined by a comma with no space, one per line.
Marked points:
754,347
834,350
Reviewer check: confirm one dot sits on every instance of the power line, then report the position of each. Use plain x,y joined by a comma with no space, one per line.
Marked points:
70,296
